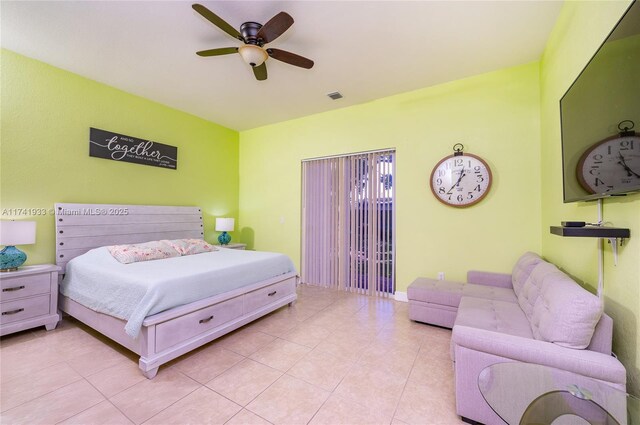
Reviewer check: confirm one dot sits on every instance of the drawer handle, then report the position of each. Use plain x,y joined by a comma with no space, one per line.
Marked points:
271,294
15,288
208,319
6,313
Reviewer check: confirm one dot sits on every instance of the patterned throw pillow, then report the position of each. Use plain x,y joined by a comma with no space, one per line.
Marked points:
156,250
190,246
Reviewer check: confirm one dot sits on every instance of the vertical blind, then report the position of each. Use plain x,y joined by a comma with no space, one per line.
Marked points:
348,222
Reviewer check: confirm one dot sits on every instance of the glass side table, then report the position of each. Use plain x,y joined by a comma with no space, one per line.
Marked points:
524,393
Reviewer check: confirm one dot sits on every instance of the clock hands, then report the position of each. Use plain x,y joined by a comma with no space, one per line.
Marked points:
622,162
462,174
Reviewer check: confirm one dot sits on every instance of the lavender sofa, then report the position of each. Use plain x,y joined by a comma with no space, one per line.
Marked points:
537,314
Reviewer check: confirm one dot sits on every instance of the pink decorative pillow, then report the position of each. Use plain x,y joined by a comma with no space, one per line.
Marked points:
147,251
190,246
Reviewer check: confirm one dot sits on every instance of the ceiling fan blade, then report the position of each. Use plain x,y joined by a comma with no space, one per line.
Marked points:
290,58
218,52
260,72
217,21
275,27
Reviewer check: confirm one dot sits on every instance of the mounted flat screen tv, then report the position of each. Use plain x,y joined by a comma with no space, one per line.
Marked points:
600,116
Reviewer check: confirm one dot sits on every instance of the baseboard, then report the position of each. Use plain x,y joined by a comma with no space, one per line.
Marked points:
401,296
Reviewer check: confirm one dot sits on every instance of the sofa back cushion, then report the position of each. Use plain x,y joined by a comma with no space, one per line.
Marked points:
523,268
530,289
564,313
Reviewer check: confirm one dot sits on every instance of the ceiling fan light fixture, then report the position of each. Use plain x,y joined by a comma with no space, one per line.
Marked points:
253,55
254,36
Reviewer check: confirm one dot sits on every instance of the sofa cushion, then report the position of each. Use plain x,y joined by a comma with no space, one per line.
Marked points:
564,312
489,292
530,290
493,315
446,293
523,268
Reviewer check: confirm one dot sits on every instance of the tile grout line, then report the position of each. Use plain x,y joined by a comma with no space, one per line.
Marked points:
232,401
90,407
48,392
108,399
261,347
69,417
332,392
395,410
181,398
285,373
250,411
226,398
356,363
105,396
31,371
177,368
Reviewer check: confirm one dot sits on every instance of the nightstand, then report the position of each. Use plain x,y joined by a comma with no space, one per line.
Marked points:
29,298
234,246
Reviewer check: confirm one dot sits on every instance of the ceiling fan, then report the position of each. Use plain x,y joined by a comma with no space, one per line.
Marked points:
255,36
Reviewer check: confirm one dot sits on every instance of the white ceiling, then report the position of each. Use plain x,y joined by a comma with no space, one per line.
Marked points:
364,49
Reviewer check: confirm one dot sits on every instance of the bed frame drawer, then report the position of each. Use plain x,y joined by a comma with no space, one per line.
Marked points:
26,308
25,286
184,327
267,295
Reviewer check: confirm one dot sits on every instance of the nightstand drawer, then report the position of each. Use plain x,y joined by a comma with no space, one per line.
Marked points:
25,286
26,308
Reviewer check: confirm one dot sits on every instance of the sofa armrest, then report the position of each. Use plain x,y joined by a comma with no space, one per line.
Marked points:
502,280
582,362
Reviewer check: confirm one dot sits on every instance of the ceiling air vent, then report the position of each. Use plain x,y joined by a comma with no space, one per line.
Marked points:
335,95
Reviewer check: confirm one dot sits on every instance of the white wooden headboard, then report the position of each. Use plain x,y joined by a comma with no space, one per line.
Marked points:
82,227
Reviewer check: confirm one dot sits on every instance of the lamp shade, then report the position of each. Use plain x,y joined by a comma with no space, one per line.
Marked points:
253,55
17,232
224,224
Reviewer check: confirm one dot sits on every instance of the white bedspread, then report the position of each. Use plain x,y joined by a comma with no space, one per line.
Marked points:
134,291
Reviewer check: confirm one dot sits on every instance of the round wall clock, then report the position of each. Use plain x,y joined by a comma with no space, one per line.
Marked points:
611,164
460,180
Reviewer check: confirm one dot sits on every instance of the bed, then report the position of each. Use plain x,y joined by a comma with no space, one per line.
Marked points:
241,295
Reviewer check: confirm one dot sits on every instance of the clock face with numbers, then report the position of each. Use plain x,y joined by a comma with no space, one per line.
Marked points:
610,165
461,180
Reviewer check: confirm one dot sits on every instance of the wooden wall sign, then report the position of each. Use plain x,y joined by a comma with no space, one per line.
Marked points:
118,147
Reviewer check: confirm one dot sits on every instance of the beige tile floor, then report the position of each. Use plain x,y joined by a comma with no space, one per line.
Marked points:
332,358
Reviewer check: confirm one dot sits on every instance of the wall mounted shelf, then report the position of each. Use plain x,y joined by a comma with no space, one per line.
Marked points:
591,232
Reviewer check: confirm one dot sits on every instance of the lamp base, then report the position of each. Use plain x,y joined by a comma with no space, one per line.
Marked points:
224,238
11,258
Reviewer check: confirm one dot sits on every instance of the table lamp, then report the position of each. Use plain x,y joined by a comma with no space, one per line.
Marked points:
15,233
224,225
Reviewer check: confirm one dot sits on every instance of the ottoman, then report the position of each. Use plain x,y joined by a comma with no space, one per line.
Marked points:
436,301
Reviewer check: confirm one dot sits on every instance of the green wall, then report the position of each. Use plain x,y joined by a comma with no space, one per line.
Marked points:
509,117
45,116
495,115
580,29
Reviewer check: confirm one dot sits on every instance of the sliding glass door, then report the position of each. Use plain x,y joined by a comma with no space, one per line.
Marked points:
348,222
